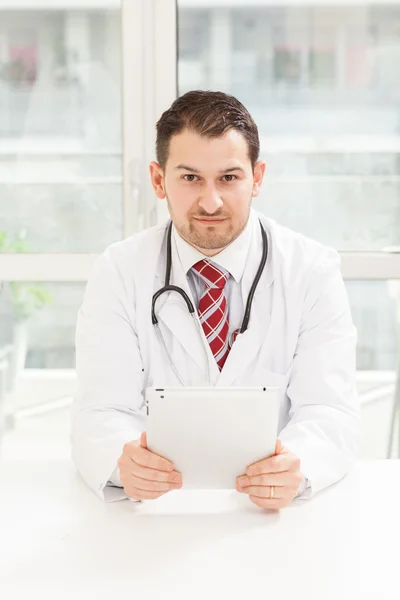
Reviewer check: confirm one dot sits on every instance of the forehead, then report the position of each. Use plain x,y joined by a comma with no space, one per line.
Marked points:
203,152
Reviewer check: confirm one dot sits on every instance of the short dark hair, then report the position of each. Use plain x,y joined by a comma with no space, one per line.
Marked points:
210,114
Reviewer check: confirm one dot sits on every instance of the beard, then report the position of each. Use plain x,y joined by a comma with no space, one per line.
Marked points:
208,237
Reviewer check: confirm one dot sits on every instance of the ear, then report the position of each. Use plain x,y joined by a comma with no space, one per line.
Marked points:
157,179
258,176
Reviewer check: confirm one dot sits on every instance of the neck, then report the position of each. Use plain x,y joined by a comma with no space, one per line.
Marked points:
207,251
214,251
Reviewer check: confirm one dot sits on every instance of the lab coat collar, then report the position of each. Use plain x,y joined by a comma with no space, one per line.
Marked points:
248,344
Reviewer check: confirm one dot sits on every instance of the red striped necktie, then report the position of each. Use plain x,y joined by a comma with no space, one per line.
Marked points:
213,308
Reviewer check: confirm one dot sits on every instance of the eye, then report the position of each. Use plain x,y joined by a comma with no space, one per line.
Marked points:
189,175
233,177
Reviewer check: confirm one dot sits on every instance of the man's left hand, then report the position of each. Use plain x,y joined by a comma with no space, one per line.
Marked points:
281,471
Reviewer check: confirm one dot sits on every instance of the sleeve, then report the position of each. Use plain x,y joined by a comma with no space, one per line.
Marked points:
324,426
110,493
304,490
107,408
115,478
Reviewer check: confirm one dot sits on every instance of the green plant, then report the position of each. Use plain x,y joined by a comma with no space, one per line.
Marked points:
27,299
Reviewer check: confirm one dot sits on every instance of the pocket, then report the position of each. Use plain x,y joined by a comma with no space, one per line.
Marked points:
281,381
273,378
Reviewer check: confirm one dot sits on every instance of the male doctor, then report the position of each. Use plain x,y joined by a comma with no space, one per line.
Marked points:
300,333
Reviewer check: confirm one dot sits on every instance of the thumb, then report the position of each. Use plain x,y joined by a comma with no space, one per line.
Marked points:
279,446
143,439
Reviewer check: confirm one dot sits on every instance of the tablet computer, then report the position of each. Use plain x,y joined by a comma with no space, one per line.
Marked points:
212,434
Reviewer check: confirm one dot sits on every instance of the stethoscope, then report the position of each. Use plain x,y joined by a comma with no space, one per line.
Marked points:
173,288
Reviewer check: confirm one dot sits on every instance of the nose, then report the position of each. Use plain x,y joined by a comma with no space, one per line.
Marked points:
210,201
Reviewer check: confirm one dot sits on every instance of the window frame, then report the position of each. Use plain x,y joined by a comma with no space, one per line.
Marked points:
150,57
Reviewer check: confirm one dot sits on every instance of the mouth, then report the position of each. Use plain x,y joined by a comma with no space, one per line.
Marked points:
208,221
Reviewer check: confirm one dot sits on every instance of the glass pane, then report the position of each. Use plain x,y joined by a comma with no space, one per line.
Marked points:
60,130
323,86
37,341
376,313
40,319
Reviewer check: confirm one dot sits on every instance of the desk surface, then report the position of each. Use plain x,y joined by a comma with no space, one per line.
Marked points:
58,540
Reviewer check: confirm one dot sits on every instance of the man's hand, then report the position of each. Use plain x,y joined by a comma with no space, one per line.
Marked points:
281,471
145,475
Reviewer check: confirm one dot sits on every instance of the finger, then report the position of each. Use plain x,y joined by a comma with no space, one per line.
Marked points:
270,504
128,468
287,478
152,461
154,486
143,439
136,494
264,491
275,464
154,474
279,446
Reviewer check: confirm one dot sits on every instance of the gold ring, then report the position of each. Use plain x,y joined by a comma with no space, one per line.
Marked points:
272,492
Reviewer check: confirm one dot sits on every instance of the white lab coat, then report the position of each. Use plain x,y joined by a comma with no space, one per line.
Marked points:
300,335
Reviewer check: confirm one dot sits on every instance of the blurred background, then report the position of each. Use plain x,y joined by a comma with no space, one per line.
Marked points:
82,84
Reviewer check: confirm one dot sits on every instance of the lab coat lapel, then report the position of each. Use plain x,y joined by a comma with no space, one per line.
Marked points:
173,313
248,344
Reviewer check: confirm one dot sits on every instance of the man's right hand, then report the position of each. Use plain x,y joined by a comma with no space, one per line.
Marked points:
145,475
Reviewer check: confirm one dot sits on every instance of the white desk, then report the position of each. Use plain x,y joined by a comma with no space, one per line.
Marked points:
58,540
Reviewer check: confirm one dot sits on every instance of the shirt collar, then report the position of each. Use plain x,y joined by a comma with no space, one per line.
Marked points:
233,258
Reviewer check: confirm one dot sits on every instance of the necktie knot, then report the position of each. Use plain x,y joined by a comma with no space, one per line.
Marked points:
213,276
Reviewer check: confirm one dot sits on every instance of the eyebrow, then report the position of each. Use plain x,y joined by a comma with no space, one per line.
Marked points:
187,168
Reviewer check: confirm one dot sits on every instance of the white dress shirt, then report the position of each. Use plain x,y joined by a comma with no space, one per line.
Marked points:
233,258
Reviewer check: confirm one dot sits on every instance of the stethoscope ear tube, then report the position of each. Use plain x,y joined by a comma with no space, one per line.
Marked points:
174,288
167,287
249,302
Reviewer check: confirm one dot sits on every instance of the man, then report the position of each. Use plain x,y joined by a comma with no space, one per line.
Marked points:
300,333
